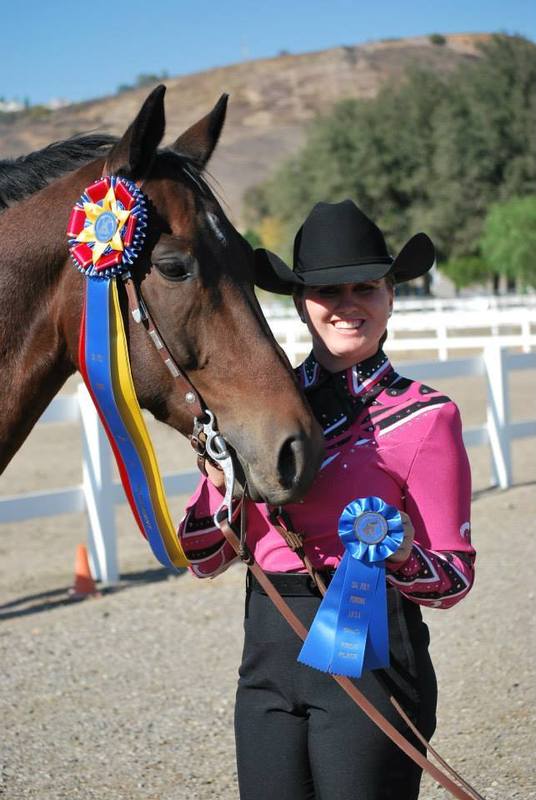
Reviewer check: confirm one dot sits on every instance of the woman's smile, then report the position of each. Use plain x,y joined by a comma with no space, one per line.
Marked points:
348,324
346,321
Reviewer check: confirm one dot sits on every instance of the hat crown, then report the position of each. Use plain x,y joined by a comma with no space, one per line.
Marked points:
337,234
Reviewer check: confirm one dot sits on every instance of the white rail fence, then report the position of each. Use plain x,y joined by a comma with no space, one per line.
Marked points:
478,303
442,331
98,494
425,305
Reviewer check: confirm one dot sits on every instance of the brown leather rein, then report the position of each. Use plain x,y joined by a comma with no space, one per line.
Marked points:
460,789
204,433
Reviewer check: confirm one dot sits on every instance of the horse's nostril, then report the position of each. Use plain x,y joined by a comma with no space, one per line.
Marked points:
290,462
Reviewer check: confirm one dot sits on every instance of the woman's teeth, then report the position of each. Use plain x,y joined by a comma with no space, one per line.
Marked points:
348,324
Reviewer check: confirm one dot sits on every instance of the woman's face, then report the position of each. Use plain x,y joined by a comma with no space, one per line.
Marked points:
346,322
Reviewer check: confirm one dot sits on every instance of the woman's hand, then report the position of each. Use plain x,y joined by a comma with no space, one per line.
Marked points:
215,475
404,551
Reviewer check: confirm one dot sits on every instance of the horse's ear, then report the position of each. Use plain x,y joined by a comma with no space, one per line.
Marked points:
199,141
134,152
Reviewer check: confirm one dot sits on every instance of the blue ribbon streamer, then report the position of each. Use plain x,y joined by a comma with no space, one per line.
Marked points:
349,633
99,372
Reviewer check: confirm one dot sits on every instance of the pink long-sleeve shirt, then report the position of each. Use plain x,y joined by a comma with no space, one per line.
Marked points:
386,436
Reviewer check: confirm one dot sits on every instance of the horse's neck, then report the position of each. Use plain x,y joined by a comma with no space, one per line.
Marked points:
31,377
34,359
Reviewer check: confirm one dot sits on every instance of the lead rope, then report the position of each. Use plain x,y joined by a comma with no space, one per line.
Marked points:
282,523
461,790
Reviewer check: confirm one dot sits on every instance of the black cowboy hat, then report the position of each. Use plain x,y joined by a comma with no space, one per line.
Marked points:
337,244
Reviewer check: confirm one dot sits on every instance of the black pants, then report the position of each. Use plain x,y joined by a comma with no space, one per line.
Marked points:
300,737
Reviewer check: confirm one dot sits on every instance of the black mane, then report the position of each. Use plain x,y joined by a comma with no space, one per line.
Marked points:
21,177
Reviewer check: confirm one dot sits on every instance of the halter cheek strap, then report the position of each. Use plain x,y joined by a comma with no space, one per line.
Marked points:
140,314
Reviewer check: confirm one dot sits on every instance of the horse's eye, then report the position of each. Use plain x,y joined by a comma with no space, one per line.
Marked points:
176,268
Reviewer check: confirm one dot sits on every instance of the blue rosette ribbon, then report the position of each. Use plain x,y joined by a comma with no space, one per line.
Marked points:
349,633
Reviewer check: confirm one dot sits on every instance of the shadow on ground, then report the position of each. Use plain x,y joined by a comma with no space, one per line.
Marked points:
488,490
37,603
55,598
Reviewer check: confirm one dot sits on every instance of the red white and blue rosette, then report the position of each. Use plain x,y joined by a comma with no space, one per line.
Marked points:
349,633
107,227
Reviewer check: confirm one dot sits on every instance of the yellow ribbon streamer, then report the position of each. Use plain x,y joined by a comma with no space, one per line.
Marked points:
129,408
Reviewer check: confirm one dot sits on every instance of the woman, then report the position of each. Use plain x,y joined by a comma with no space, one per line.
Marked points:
298,735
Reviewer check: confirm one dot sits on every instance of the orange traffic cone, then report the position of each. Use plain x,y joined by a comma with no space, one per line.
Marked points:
84,585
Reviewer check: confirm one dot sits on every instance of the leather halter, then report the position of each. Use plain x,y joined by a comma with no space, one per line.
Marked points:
140,314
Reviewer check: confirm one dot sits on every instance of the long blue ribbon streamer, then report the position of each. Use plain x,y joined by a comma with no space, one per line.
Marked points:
349,633
98,367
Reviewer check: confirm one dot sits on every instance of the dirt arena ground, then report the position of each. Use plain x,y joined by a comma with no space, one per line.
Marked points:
130,696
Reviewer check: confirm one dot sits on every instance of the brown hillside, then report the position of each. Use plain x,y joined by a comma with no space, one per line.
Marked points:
272,100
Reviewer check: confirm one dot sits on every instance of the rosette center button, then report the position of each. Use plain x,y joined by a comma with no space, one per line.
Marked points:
105,226
370,527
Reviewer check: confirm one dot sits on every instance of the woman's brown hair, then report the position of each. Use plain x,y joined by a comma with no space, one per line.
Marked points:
390,281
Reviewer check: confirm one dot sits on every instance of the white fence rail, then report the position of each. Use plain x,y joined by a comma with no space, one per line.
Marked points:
426,305
442,331
98,494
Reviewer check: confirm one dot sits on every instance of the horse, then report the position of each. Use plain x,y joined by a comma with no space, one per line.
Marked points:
195,274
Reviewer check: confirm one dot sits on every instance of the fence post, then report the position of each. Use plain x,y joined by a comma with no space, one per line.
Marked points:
498,414
525,332
98,492
442,335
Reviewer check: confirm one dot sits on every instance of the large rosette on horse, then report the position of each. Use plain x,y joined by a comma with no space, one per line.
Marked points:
107,226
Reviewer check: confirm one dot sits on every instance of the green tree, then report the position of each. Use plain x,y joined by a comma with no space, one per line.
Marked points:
465,271
433,153
508,240
485,149
251,236
255,205
376,152
143,80
148,78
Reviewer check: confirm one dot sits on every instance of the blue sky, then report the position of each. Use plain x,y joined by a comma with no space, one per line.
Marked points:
79,50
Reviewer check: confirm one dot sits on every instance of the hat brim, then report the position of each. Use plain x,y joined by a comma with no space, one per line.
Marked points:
415,259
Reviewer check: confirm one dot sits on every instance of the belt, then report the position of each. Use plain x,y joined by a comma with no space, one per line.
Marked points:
290,584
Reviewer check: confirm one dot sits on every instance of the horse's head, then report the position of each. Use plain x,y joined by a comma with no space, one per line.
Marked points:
195,275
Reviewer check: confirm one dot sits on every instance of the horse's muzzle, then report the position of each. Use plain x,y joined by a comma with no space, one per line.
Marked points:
296,463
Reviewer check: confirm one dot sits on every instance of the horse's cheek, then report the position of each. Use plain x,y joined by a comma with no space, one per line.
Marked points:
148,372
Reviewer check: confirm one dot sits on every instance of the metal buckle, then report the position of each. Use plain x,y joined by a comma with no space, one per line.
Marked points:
216,449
